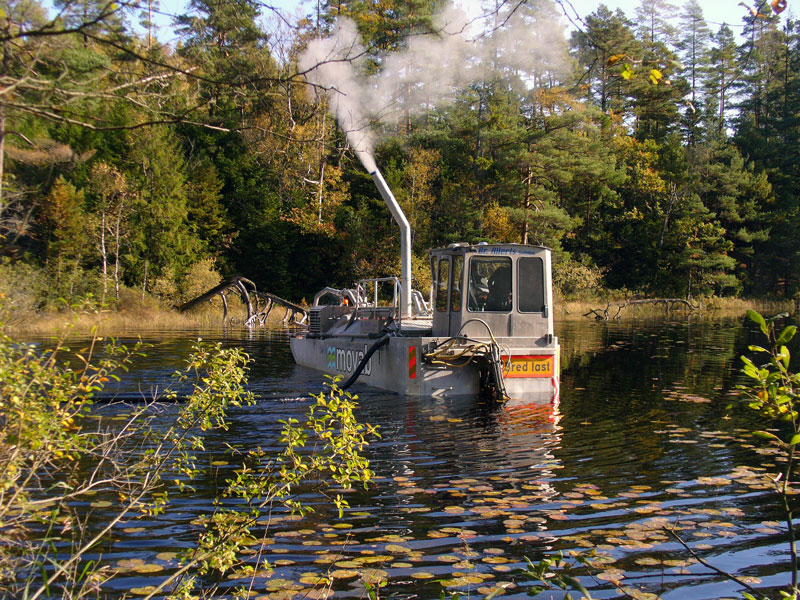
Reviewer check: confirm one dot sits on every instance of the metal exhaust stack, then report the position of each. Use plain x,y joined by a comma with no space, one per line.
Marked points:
405,241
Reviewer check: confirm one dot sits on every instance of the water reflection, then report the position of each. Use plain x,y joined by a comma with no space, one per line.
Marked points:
465,492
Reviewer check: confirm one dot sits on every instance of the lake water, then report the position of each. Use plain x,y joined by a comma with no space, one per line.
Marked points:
464,493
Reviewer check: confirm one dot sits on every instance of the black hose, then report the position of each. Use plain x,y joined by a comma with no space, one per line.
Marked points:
367,355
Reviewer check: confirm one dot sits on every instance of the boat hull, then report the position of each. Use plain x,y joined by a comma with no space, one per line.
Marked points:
398,366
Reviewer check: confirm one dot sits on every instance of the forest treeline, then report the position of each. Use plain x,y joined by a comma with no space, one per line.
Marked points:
654,154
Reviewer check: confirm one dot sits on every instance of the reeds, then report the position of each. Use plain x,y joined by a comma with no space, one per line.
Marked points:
147,316
708,308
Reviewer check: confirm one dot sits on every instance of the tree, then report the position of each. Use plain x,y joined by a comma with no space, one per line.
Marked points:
206,215
63,224
721,76
767,133
112,211
694,52
739,198
225,42
653,22
602,52
656,98
164,245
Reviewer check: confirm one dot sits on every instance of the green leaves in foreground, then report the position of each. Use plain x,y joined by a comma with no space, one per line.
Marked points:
773,388
772,391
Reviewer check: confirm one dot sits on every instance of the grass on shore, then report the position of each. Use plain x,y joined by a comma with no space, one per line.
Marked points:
147,316
709,308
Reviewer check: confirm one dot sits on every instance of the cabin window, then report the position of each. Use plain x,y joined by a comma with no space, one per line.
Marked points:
455,291
442,281
490,284
530,284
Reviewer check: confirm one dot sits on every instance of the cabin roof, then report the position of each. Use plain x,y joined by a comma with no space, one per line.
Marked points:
483,247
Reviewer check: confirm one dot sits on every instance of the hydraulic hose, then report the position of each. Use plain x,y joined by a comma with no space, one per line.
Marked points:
367,355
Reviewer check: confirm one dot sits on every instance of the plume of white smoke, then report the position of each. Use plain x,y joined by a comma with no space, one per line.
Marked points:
431,69
334,64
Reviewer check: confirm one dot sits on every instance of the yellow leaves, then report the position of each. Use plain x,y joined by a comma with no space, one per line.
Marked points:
627,71
497,223
615,59
655,76
778,6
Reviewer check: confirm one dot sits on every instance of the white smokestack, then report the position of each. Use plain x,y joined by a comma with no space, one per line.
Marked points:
405,241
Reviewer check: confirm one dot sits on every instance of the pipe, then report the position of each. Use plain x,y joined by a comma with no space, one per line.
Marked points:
367,355
405,241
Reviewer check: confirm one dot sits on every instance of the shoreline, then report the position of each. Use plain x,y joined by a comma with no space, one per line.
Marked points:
107,322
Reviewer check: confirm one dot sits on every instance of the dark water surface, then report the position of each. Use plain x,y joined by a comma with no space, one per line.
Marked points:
641,439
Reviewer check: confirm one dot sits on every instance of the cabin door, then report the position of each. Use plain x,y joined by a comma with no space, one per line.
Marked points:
456,295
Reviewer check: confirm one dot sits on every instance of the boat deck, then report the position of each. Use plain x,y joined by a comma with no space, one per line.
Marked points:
416,327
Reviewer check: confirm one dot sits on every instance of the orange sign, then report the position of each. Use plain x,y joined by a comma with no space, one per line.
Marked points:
529,366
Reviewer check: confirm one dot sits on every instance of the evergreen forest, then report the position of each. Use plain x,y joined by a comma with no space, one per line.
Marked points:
654,153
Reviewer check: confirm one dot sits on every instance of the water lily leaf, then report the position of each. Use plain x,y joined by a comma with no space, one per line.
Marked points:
422,575
314,579
167,556
491,592
448,558
613,575
374,576
348,564
130,563
376,559
143,591
454,582
501,568
344,573
149,568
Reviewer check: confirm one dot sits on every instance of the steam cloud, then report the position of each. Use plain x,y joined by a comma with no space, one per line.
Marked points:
430,70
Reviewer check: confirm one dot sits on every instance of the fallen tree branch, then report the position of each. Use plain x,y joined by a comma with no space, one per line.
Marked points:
669,304
247,291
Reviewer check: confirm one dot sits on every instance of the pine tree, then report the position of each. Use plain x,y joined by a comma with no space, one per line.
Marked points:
653,22
164,245
720,79
64,227
657,96
602,52
693,47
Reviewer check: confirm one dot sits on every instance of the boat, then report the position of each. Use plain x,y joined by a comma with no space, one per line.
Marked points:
486,328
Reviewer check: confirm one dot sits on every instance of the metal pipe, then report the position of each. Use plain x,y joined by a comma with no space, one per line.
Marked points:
405,241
